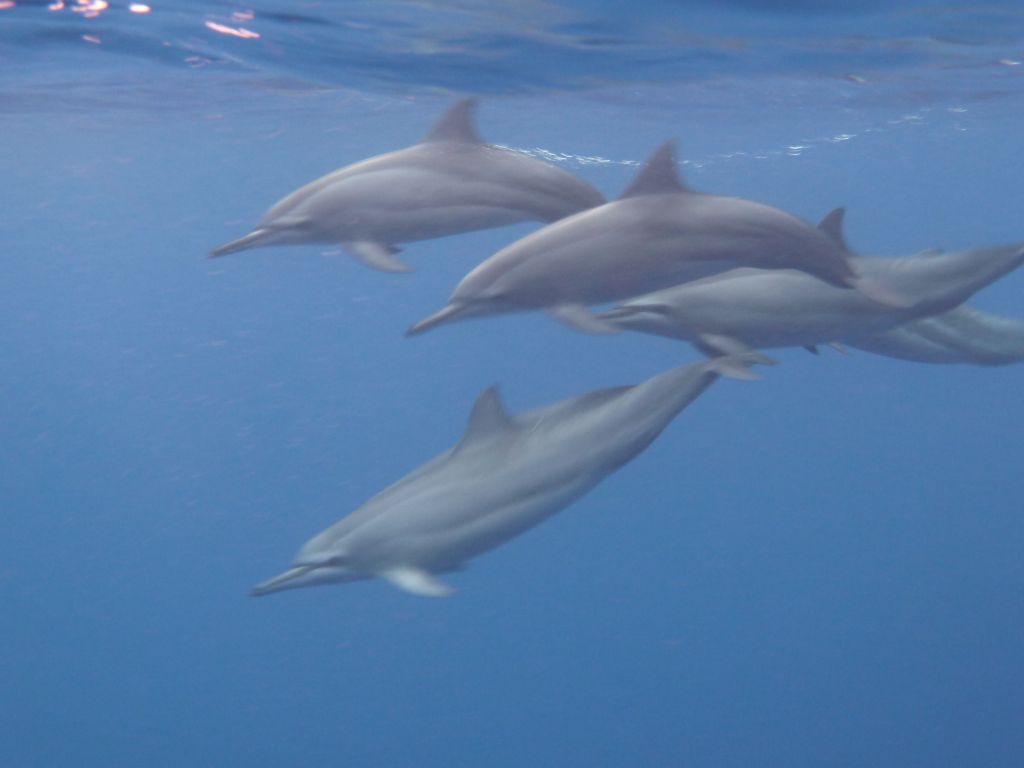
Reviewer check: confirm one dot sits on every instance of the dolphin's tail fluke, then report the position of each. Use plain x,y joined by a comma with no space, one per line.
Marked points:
254,239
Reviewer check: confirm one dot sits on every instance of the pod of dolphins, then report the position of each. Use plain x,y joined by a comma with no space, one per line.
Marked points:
728,275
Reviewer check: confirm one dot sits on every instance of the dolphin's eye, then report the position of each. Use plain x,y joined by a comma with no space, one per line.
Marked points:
335,562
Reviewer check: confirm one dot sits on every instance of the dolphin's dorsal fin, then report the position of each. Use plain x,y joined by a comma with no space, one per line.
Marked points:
658,176
832,225
455,125
488,419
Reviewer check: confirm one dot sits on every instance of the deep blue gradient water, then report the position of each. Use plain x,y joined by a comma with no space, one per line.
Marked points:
823,568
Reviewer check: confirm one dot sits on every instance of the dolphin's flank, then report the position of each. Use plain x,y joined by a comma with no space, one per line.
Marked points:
507,474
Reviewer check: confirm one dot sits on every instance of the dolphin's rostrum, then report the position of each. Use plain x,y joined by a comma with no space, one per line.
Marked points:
448,183
506,475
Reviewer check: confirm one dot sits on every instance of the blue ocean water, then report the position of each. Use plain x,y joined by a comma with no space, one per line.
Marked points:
822,568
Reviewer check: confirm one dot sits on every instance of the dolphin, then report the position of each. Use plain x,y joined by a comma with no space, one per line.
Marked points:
657,234
962,335
448,183
759,309
506,475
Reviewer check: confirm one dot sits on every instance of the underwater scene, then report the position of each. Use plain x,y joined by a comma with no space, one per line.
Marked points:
512,383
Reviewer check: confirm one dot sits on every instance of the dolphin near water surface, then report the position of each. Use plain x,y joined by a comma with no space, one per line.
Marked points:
506,475
448,183
657,234
758,309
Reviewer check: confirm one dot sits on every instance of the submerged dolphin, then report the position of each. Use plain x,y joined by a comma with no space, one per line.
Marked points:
448,183
506,475
657,234
757,309
962,335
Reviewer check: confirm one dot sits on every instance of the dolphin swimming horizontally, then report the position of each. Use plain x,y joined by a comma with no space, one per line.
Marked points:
506,475
757,309
656,235
962,335
448,183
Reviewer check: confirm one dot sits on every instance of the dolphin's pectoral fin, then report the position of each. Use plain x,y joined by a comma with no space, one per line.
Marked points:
812,348
377,255
733,357
717,344
582,319
417,582
738,366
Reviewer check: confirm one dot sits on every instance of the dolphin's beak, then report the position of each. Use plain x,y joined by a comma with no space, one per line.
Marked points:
281,581
450,312
253,239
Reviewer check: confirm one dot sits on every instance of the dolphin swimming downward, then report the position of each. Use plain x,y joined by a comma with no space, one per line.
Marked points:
448,183
506,475
657,234
757,309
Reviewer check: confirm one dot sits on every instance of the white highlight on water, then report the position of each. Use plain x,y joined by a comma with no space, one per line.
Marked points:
795,149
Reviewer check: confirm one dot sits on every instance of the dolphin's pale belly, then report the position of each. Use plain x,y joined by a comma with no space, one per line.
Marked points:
455,525
763,318
475,503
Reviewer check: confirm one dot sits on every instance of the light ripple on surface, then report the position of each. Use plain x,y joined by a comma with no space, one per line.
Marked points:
509,47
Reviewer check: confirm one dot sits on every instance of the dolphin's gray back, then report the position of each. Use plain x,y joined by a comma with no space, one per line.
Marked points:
504,179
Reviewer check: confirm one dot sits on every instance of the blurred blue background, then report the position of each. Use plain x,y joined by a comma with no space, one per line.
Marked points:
822,568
